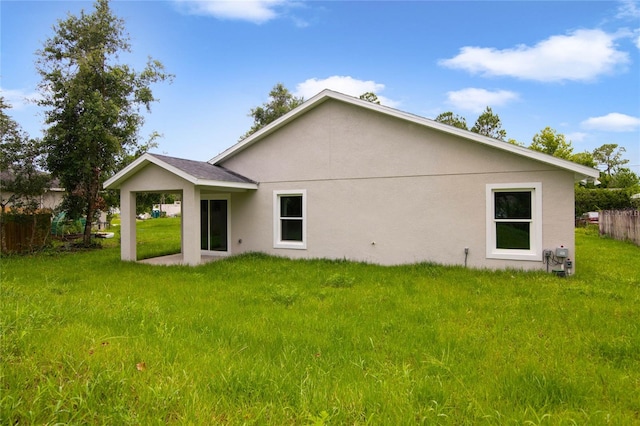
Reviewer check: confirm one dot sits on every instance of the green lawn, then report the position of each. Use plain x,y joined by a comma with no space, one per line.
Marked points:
87,339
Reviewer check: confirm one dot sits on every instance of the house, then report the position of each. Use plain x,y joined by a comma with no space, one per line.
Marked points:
343,178
51,198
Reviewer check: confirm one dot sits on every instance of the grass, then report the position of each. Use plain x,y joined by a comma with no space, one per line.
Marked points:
158,237
261,340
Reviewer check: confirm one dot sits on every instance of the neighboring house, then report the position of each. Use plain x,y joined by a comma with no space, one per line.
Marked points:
51,199
343,178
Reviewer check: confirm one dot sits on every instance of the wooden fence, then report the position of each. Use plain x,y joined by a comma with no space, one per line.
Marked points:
621,224
20,233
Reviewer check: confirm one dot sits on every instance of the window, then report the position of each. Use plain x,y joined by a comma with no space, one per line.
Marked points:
289,212
514,215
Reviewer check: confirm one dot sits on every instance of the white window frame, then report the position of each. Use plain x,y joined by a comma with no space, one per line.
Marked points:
535,237
277,224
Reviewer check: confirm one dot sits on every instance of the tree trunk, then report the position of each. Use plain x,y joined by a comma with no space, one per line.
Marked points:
92,203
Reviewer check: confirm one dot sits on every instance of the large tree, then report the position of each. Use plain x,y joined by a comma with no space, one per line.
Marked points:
609,156
489,124
93,104
553,143
452,120
281,102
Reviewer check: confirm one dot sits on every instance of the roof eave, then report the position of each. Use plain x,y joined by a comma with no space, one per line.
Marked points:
580,172
116,181
227,185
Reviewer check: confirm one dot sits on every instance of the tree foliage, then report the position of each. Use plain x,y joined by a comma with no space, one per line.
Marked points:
515,142
553,143
93,105
11,136
585,158
370,97
489,124
21,166
624,178
550,142
595,199
281,102
452,120
609,156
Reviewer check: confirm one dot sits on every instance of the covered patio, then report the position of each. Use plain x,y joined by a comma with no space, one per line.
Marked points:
205,209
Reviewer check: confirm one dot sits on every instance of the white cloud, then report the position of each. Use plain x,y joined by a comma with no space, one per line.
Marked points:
612,122
576,136
580,56
343,84
19,99
476,100
256,11
628,9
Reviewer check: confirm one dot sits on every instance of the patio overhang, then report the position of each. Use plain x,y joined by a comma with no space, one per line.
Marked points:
198,173
163,174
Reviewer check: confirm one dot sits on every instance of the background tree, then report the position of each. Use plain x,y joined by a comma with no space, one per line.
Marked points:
452,120
11,137
21,166
93,105
589,200
553,143
624,178
609,156
585,158
515,142
489,124
370,97
281,102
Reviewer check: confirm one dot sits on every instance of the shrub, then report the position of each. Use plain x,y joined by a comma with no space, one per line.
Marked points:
588,200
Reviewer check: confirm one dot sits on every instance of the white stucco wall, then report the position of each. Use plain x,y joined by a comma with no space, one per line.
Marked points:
153,178
418,194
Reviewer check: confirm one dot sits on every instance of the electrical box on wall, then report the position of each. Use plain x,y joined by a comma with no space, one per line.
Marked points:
562,252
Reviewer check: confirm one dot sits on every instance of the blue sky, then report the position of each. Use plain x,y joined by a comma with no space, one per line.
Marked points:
573,65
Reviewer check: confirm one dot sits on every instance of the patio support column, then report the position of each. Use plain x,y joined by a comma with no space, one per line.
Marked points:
127,225
191,225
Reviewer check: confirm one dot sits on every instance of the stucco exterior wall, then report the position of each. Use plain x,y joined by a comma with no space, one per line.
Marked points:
380,189
153,178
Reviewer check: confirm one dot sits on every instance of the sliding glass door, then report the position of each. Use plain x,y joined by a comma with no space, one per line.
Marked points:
214,225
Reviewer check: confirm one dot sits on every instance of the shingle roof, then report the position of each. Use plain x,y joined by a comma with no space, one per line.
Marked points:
203,170
199,173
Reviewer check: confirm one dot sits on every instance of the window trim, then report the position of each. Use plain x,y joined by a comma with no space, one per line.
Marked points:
534,253
277,224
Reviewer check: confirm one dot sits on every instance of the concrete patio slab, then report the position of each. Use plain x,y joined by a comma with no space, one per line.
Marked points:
176,259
